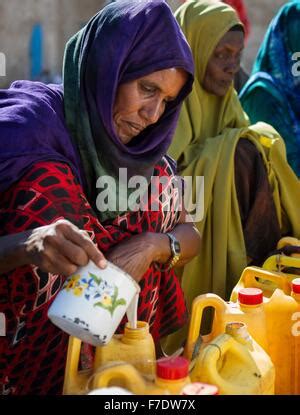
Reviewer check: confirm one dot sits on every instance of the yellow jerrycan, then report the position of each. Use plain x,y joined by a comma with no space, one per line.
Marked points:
289,241
280,310
235,363
267,281
172,375
278,262
249,310
134,346
295,294
125,375
75,381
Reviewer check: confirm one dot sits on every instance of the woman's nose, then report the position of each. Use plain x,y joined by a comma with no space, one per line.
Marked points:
152,111
233,67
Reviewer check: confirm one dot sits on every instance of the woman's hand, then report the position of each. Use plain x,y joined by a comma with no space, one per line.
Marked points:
60,248
136,254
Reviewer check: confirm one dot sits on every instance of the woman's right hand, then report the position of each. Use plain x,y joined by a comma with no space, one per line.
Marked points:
60,248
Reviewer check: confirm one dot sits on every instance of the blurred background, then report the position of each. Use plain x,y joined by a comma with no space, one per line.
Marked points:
33,34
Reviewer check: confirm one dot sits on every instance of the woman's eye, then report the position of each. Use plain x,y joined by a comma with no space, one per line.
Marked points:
220,55
147,88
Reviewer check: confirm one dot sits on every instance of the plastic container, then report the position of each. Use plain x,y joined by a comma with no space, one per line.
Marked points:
125,375
236,364
114,390
171,377
135,346
289,241
295,294
276,263
172,373
280,310
267,281
198,388
249,310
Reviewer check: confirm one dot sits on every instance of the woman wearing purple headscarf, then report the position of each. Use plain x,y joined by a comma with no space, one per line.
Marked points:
126,74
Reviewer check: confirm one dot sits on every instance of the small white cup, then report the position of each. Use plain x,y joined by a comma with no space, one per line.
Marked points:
92,303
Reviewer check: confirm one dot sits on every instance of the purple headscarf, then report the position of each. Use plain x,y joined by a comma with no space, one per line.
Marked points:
124,41
32,129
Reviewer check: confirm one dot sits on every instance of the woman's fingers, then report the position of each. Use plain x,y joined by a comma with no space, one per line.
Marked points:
82,240
62,247
59,264
71,251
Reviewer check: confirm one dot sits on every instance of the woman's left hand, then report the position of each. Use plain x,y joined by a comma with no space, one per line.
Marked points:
134,255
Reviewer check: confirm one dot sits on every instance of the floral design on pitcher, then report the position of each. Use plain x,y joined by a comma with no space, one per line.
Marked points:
106,294
74,285
95,288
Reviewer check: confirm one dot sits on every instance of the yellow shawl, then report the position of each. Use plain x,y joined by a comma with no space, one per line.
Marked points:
204,145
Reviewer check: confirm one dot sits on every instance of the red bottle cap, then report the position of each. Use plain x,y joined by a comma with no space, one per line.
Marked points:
296,286
172,367
250,296
198,388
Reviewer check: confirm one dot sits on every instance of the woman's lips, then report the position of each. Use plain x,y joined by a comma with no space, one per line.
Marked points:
226,83
136,128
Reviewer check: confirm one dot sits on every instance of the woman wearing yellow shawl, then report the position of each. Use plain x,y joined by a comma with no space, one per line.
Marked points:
251,196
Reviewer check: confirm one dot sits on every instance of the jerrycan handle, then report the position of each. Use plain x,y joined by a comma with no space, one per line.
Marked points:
199,304
289,241
276,262
125,372
73,356
250,274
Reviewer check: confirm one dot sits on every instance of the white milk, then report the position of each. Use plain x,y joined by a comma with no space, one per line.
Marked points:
132,311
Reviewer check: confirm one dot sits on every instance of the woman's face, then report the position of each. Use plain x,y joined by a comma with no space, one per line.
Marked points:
224,63
141,102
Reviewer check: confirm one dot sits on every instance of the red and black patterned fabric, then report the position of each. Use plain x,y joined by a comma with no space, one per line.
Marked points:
33,352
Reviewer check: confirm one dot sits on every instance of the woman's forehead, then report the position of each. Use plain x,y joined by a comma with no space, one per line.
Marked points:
232,39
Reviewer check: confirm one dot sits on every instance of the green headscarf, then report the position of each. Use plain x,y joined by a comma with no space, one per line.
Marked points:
204,115
204,145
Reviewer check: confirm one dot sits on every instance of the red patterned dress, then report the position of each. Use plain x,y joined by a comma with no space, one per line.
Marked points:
33,352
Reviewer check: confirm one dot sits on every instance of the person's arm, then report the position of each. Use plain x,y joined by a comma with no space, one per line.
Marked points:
137,254
187,235
59,248
12,251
